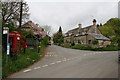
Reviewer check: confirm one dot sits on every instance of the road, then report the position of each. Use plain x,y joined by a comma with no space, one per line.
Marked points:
62,62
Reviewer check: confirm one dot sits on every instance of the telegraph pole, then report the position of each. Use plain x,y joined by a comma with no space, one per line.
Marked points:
21,9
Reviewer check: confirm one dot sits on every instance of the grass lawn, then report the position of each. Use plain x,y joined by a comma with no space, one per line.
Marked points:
23,61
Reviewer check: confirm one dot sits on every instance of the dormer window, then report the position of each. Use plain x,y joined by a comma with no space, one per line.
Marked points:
83,33
70,34
66,35
77,35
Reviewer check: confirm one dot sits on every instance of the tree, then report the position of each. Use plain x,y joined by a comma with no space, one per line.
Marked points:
11,12
58,36
47,29
60,29
45,41
111,29
100,24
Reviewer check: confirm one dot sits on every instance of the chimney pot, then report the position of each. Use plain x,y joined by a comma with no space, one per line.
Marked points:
94,21
79,26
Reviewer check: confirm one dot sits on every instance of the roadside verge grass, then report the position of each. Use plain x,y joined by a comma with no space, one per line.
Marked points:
109,48
23,61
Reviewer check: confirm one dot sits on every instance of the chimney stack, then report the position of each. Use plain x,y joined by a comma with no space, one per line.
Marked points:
94,21
79,26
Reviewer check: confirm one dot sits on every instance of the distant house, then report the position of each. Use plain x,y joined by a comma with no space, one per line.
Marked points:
33,41
86,36
37,30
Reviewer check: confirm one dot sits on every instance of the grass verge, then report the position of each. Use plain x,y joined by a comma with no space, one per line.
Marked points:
23,61
109,48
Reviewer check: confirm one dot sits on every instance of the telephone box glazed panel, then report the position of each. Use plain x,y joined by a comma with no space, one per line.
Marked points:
14,40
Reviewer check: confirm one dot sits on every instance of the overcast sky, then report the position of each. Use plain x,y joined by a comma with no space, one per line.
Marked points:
69,14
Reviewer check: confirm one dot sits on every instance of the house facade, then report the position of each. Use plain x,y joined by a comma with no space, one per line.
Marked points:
87,36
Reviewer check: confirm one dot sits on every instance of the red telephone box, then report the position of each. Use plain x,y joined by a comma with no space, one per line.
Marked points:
14,40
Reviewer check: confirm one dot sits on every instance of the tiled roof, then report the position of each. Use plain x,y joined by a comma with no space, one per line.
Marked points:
85,29
72,30
99,37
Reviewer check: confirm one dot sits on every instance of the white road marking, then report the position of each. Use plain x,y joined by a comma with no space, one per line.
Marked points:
58,62
27,70
44,65
37,67
64,60
52,63
68,59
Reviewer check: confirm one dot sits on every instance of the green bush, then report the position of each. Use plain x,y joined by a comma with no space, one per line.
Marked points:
45,41
81,47
108,48
72,44
95,42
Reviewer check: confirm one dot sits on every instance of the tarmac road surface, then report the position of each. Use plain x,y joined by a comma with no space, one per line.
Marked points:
62,62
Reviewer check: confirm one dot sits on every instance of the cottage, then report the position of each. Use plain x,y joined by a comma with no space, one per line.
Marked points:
37,30
87,36
33,41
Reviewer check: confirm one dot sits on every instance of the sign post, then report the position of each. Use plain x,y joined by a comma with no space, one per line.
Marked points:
6,31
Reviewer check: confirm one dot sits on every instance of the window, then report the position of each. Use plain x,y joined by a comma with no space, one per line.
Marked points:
89,41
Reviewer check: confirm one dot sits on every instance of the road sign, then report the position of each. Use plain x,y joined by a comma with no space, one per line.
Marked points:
5,30
8,48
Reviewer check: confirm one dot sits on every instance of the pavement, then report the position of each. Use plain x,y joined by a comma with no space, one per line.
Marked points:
62,62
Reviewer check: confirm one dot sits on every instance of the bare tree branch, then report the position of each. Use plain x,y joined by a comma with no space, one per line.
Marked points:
11,11
47,29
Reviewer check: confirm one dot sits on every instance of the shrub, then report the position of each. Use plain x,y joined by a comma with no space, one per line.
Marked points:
45,41
95,42
108,48
72,44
